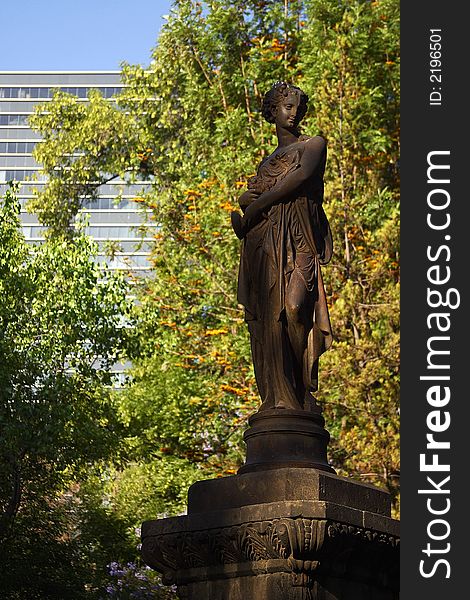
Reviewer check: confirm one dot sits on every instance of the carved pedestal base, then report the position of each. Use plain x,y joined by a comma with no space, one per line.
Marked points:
282,534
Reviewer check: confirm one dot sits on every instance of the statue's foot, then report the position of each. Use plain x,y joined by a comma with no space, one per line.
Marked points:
237,224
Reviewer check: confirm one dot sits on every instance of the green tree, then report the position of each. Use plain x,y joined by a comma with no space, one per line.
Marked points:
63,325
350,65
190,126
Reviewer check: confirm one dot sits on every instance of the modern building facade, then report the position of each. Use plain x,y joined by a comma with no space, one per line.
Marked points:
114,216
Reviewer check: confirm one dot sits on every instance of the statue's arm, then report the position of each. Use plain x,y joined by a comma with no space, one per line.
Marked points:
247,198
287,187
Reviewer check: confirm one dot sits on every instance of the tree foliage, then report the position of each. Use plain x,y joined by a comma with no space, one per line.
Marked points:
62,328
190,126
351,54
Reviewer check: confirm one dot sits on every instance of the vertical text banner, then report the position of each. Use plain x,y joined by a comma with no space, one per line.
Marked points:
435,267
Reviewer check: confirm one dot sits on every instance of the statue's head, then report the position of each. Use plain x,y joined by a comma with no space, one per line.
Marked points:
280,93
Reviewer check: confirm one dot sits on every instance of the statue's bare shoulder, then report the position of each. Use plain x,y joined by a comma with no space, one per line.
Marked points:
316,143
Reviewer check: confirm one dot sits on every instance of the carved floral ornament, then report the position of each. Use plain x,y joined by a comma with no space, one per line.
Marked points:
299,546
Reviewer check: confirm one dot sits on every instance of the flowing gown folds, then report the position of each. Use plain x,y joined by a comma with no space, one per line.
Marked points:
282,252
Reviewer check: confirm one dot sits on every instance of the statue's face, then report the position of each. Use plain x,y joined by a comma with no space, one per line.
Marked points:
286,111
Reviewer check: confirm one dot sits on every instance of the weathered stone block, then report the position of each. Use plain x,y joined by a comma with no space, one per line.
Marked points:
284,534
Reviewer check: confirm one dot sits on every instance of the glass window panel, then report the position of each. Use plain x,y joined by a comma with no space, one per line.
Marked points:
37,231
21,174
21,147
92,203
8,133
3,147
14,119
140,261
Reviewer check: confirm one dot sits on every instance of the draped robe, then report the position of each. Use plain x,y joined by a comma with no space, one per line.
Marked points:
293,237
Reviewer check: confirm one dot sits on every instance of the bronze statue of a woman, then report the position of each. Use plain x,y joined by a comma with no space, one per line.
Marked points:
286,237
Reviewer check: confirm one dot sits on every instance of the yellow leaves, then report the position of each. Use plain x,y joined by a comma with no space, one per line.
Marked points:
171,324
207,183
270,50
222,362
228,206
234,390
211,332
277,45
240,184
353,233
189,231
192,193
222,359
191,197
145,155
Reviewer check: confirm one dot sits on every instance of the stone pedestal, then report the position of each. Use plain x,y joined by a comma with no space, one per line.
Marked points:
286,438
283,533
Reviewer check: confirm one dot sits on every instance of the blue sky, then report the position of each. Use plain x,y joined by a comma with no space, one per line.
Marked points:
54,35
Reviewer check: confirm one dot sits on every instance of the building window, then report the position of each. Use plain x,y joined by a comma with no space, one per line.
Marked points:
15,120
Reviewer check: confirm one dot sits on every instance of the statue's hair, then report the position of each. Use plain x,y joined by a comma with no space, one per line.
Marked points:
280,90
